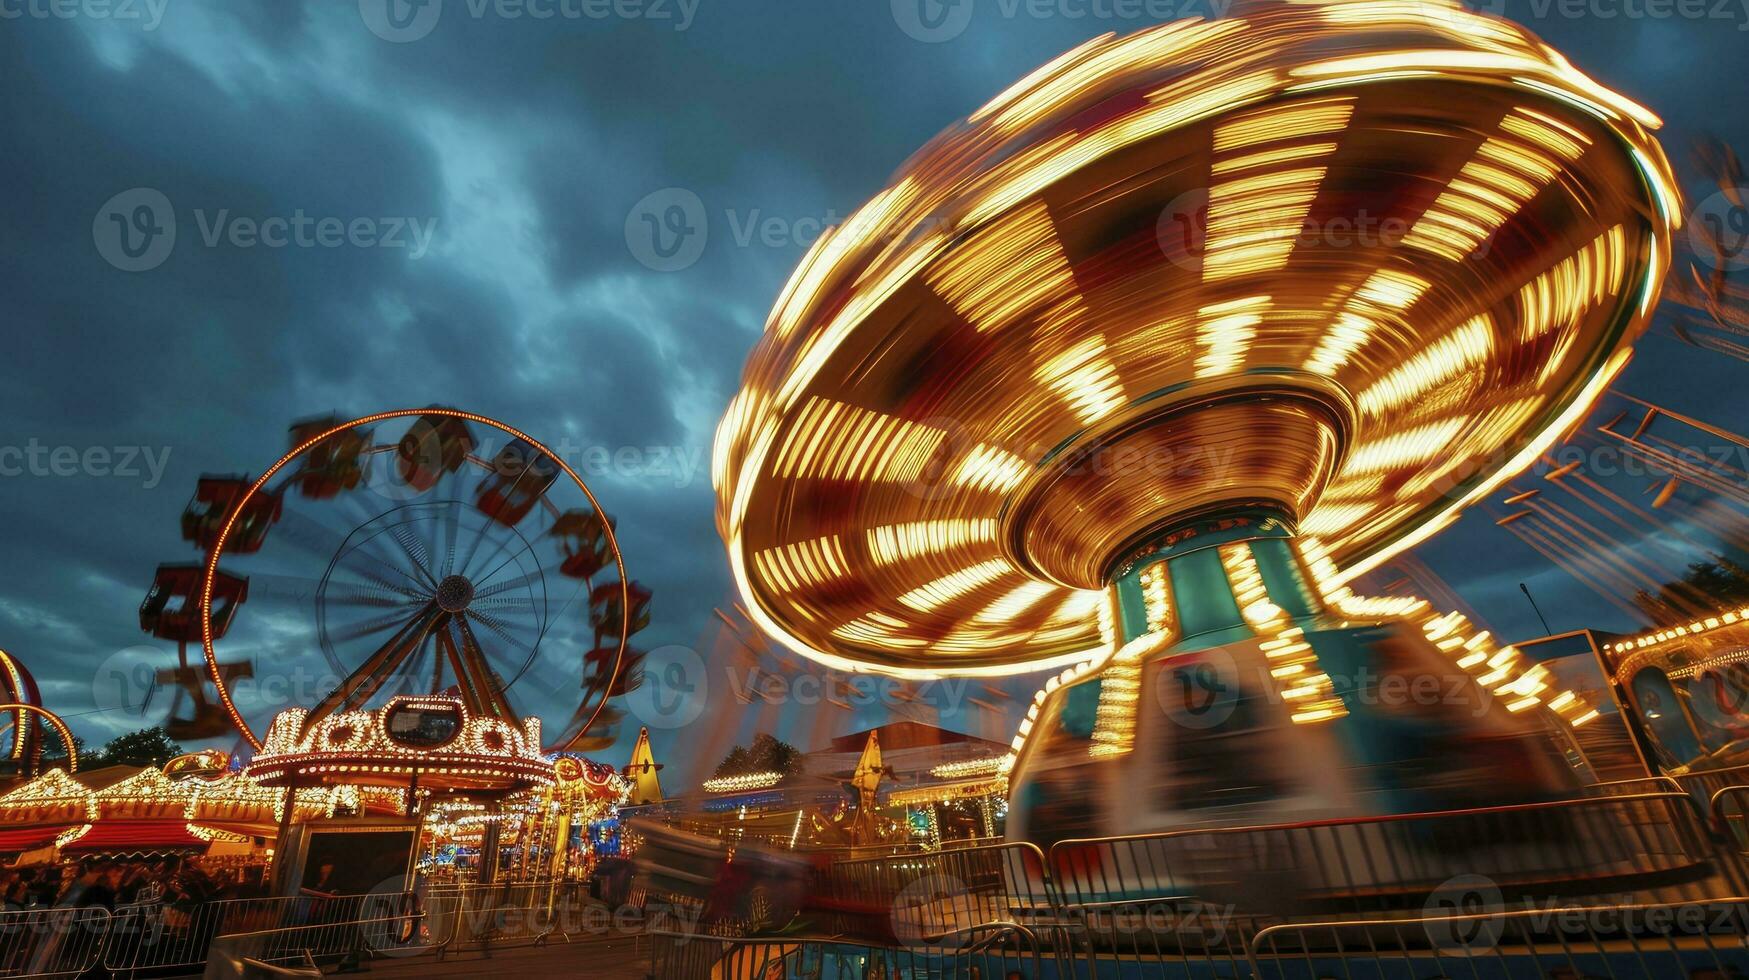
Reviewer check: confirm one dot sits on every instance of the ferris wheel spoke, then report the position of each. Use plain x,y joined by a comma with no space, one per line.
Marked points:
468,562
504,632
293,587
521,581
312,536
350,596
512,557
503,542
394,554
414,550
370,675
371,587
432,543
451,527
360,630
387,577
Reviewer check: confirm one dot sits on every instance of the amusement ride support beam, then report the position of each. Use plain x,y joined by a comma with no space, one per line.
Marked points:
493,700
446,650
364,682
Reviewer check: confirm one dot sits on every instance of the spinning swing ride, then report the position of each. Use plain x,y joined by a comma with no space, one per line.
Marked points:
1112,399
409,577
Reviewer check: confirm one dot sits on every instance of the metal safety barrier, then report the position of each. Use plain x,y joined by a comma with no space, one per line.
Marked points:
1628,942
1651,847
1730,810
56,942
159,937
987,952
936,893
1633,942
1192,903
1704,784
1635,787
369,938
485,916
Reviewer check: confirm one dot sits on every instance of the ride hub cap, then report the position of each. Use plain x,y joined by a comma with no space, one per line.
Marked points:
1353,263
454,593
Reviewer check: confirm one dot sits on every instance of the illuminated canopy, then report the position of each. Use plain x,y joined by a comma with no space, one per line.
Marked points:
1428,243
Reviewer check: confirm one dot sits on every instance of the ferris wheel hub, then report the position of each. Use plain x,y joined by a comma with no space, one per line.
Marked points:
455,593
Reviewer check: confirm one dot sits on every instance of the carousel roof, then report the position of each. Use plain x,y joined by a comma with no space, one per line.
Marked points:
123,837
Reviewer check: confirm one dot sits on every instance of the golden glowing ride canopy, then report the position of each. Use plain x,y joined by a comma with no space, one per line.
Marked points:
1355,261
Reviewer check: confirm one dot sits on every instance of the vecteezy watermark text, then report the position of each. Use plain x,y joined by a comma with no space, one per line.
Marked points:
34,458
147,14
667,230
401,21
935,21
136,230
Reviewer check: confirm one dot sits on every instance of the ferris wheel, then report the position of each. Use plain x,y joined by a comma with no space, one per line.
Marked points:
420,551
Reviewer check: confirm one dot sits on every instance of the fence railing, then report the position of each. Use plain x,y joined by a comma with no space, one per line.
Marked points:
60,942
993,951
1635,786
162,937
1633,942
1198,895
384,936
1704,784
1653,845
933,894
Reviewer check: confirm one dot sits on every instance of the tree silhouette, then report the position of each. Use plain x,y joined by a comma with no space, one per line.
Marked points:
146,747
766,754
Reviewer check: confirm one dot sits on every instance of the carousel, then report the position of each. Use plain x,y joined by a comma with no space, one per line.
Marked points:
1112,400
197,803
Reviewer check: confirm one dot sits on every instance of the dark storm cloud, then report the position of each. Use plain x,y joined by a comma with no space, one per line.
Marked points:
522,144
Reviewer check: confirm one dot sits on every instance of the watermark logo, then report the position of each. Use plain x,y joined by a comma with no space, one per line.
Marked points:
675,688
667,230
135,230
956,459
1182,229
932,21
124,683
400,21
38,459
1199,691
147,14
1463,914
935,21
1719,229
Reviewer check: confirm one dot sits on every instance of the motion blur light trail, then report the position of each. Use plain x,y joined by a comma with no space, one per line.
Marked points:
1119,385
946,440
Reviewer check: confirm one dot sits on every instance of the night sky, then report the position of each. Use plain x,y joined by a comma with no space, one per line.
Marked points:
523,146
